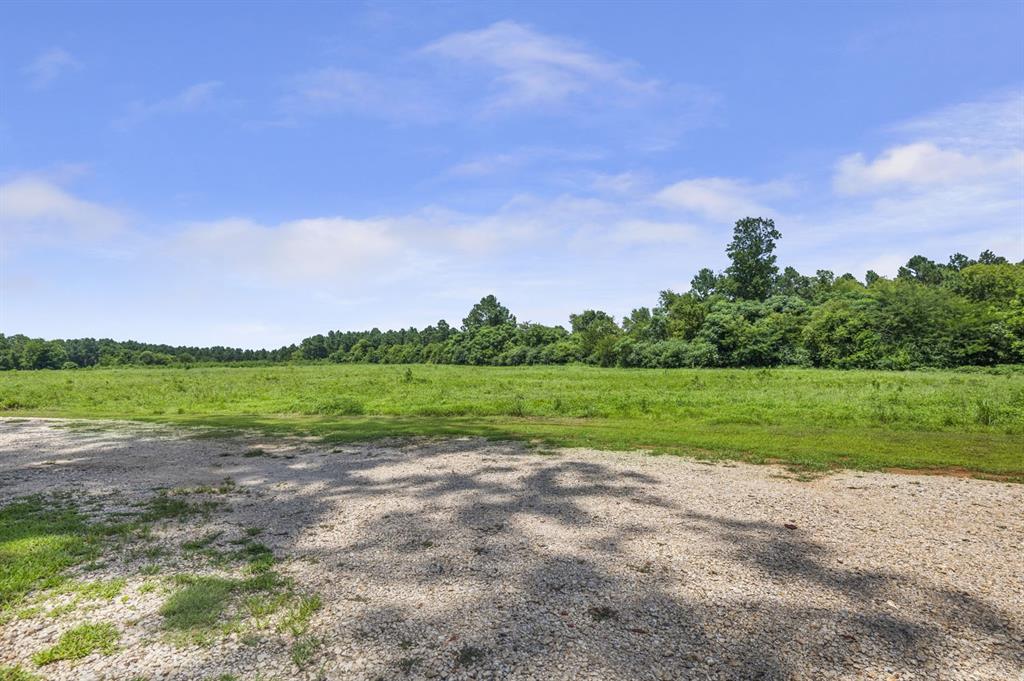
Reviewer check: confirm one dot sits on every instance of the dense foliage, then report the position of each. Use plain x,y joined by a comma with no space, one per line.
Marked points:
963,312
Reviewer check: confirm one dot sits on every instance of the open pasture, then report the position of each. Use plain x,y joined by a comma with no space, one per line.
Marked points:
814,419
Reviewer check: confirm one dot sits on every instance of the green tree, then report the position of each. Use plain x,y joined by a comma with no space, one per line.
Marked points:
684,314
37,353
920,268
792,283
753,270
705,283
595,332
990,258
488,312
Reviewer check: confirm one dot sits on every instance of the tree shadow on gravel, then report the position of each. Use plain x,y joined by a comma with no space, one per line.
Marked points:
452,559
477,542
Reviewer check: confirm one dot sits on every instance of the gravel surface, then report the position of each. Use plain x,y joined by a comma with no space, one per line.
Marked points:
464,558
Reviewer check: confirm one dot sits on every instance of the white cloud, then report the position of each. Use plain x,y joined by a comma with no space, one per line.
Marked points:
193,98
435,243
919,165
302,250
49,66
33,209
532,68
724,199
962,190
959,186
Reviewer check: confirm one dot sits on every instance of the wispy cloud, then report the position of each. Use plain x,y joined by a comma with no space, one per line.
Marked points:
650,232
503,70
517,159
33,209
49,66
334,90
991,124
721,198
193,98
527,68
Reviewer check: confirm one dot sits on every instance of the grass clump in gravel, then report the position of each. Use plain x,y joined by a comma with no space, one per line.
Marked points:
296,621
198,604
168,506
16,673
83,640
200,543
99,589
203,606
226,486
304,650
39,540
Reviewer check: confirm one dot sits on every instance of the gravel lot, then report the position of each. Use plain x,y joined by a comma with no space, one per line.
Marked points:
474,559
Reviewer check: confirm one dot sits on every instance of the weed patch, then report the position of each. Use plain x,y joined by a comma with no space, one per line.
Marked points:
17,673
198,603
304,650
80,642
39,540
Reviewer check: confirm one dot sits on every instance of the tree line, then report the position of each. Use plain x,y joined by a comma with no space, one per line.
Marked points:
963,312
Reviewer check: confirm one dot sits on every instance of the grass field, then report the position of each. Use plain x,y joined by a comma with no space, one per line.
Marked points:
811,418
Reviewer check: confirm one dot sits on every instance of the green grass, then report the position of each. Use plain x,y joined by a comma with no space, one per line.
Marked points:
296,621
304,650
100,589
198,604
43,538
39,540
201,604
16,673
80,642
811,418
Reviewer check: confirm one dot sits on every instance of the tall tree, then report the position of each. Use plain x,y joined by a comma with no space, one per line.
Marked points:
488,312
753,270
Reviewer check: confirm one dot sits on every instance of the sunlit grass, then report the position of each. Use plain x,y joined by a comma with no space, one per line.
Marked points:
39,540
80,642
811,418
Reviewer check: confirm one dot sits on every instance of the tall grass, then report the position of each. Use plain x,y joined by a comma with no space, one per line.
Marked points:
857,418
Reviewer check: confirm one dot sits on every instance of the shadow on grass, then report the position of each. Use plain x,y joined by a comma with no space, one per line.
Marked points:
808,449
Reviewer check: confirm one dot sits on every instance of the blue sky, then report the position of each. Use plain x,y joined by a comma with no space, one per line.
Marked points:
249,174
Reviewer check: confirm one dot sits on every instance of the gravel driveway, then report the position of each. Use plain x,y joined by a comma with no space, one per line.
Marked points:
473,559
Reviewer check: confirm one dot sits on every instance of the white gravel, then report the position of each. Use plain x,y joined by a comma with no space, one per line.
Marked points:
472,559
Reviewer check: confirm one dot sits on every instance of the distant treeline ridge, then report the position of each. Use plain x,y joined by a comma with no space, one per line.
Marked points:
963,312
